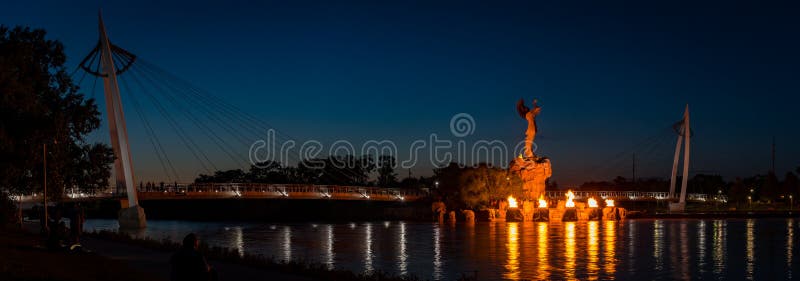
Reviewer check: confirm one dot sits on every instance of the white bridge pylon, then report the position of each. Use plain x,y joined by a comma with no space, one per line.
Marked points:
123,166
684,131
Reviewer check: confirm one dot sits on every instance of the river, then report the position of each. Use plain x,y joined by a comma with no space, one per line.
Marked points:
750,249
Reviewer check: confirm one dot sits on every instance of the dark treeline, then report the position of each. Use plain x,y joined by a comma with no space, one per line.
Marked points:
475,187
333,170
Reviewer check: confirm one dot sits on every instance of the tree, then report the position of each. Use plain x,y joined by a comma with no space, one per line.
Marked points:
738,192
39,105
92,167
386,175
267,172
790,185
708,184
770,188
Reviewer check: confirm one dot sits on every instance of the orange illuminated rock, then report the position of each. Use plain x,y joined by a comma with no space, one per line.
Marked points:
533,172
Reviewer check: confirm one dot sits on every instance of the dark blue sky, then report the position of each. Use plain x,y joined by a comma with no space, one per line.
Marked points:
609,75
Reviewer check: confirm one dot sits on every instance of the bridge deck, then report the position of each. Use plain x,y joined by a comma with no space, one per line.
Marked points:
335,192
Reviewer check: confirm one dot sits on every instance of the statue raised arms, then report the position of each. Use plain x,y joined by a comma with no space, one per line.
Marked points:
530,115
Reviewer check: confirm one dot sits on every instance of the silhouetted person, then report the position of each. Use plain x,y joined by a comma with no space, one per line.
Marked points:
57,236
76,223
189,264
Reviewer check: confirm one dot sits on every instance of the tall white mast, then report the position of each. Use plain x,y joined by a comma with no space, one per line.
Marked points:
684,132
687,133
123,166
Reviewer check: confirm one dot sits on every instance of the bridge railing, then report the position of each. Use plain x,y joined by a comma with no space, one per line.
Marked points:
284,190
633,195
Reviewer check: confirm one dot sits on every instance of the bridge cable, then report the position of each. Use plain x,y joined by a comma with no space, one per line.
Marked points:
201,125
188,110
233,111
190,144
149,130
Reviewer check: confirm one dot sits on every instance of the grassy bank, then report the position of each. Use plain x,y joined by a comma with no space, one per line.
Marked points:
24,257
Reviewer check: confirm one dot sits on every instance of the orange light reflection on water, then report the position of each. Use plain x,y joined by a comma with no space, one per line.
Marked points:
512,248
592,250
541,258
543,264
569,253
609,248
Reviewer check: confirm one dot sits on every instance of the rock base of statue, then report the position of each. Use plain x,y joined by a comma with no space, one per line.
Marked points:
677,207
515,215
132,218
541,214
594,214
570,214
614,213
533,171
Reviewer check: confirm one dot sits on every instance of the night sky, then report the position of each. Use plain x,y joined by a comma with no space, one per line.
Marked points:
611,76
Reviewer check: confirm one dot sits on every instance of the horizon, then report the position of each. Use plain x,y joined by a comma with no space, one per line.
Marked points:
611,78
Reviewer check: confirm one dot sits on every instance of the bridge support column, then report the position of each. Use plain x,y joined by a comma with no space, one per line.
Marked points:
131,215
684,132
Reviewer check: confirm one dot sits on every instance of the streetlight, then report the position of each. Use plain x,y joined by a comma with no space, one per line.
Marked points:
791,202
750,200
437,184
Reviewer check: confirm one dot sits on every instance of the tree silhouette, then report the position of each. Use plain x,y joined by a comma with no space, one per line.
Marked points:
40,105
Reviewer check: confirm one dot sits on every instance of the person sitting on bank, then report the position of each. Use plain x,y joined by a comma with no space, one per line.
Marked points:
189,264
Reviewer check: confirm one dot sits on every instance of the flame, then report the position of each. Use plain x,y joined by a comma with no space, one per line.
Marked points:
592,203
542,202
609,202
570,197
512,203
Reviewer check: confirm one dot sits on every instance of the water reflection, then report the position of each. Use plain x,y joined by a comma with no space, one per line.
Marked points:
569,253
329,254
287,243
368,248
543,264
658,244
719,240
237,240
750,254
437,253
512,249
789,246
684,256
701,246
609,247
592,250
631,247
402,256
656,249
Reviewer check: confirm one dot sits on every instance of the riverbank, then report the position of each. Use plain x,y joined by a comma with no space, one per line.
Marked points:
115,256
723,215
24,257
